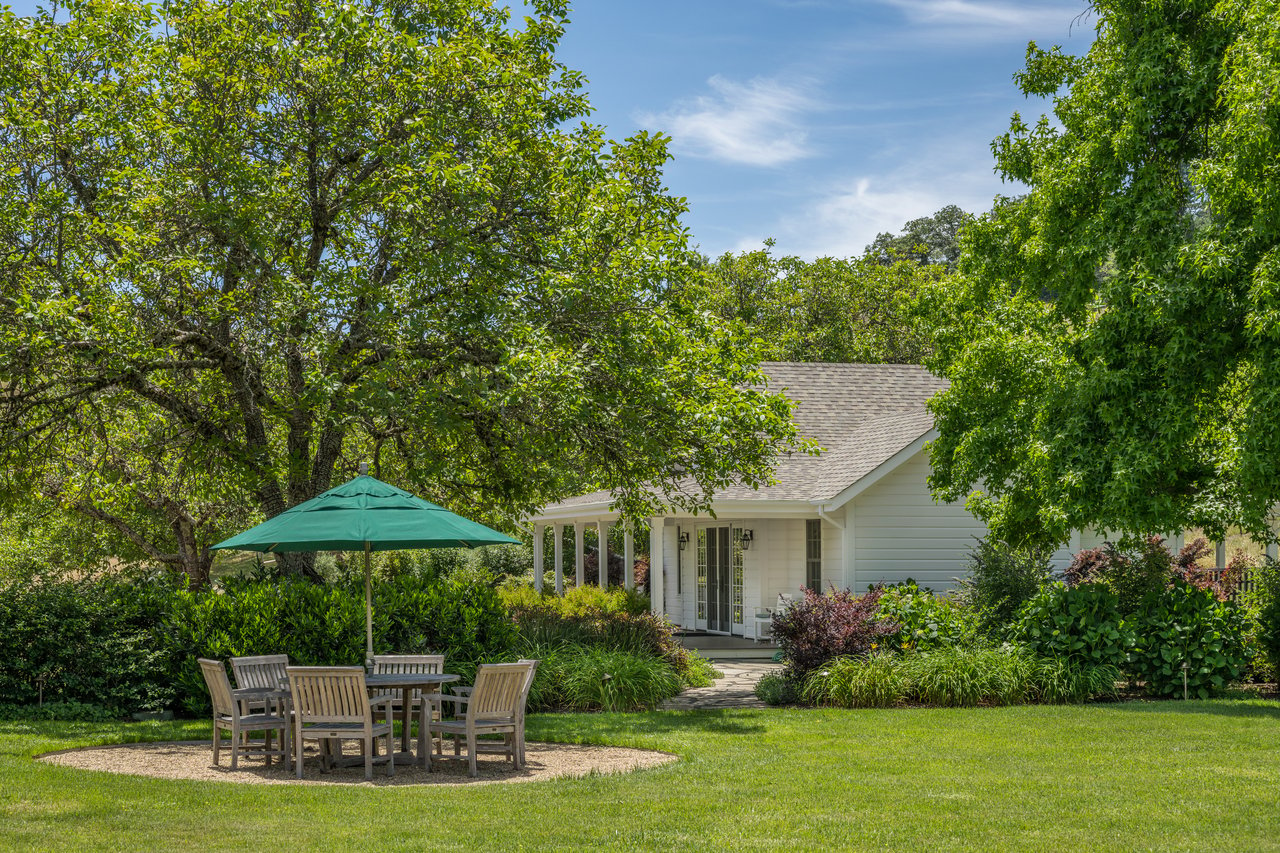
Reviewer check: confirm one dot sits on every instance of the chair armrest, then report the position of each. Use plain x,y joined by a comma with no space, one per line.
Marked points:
384,699
252,693
464,690
445,697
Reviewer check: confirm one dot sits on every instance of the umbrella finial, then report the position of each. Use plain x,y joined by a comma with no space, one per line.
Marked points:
364,468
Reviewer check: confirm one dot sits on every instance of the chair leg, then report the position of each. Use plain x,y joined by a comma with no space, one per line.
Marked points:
368,758
391,753
297,748
236,735
472,770
217,740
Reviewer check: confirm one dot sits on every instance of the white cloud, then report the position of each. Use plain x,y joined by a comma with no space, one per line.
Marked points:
757,123
988,15
842,221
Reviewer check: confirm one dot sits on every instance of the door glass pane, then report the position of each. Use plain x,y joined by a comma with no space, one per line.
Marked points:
736,558
702,574
723,585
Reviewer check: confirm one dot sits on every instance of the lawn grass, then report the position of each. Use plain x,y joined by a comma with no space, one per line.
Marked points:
1169,775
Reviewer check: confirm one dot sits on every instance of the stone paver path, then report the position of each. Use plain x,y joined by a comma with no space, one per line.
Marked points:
735,690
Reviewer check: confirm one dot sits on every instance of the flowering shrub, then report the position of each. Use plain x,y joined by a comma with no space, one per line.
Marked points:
823,626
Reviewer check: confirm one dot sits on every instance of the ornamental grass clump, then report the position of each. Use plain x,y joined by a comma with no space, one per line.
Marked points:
960,677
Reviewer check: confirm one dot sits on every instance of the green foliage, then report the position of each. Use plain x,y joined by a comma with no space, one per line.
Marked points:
951,677
1080,623
1111,339
927,621
1131,573
577,601
1266,602
94,640
574,677
774,688
1184,624
67,711
829,309
278,239
999,579
927,240
700,672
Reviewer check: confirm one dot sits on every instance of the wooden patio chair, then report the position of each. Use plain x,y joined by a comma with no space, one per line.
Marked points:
493,707
395,664
260,672
524,704
332,703
228,713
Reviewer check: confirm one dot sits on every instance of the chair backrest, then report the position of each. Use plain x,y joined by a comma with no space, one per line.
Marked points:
528,682
396,664
261,671
215,678
499,690
329,694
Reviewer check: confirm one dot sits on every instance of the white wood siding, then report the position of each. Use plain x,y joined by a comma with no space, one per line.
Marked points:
901,532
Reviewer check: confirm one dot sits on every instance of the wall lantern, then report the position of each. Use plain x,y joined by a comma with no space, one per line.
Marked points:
748,536
683,539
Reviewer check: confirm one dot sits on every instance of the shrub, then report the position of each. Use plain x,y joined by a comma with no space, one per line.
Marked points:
701,672
317,625
1000,580
774,688
1184,623
1136,571
926,621
952,677
1080,623
95,639
574,677
824,626
1266,603
588,616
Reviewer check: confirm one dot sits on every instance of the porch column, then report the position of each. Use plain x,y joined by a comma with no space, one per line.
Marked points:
579,553
628,558
538,531
656,600
558,547
1271,551
602,551
1220,555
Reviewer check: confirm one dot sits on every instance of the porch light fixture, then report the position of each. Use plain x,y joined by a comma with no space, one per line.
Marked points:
683,539
748,536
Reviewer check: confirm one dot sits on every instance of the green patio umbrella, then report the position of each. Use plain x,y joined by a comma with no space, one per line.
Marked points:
364,514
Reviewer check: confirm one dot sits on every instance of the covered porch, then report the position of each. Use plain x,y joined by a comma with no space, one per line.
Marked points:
711,576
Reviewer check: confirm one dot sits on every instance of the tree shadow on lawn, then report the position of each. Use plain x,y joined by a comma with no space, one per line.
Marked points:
1258,708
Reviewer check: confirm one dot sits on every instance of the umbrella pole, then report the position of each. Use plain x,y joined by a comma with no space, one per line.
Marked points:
368,606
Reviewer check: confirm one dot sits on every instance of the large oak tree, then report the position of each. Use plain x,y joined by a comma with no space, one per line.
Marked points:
246,244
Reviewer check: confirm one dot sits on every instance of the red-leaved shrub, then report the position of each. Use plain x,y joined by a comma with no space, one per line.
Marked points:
829,625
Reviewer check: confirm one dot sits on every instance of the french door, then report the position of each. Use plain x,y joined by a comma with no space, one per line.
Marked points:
719,577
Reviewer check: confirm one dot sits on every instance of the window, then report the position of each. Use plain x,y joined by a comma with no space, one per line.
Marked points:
813,554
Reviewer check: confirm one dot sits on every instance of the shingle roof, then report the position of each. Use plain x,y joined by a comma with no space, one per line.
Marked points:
859,414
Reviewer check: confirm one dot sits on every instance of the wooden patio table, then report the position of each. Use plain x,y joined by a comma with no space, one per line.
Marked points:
408,681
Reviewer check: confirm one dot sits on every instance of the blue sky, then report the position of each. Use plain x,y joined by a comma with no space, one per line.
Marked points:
818,123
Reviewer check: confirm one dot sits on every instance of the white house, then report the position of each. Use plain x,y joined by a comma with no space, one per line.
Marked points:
858,513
